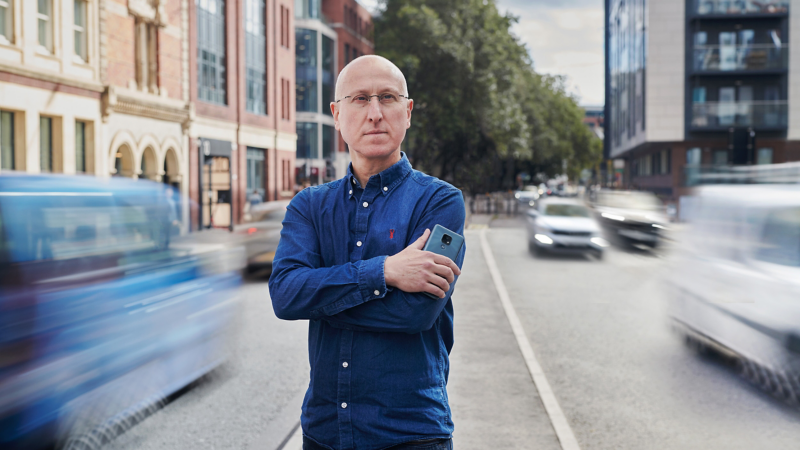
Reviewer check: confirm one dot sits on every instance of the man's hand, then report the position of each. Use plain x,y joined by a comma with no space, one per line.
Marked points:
415,270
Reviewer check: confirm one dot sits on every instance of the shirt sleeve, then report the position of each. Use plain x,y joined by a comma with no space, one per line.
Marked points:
399,311
300,288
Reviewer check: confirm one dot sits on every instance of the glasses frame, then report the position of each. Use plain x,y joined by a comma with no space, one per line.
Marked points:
369,97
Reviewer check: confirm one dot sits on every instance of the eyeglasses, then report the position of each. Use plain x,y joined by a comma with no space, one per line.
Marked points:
386,99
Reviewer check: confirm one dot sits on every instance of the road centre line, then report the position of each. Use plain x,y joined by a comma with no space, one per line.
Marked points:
563,431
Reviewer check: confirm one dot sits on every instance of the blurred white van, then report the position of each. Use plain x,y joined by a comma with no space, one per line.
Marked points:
735,282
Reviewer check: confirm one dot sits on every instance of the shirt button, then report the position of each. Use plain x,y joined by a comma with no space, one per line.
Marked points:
344,364
358,243
365,204
344,405
385,188
351,192
377,292
353,180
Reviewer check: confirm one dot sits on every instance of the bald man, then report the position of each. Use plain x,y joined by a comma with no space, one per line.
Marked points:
350,261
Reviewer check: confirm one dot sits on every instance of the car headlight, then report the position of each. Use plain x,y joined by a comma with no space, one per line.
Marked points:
516,195
598,241
543,238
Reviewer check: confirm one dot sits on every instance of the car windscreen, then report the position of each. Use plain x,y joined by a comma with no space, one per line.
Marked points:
630,200
565,210
60,228
780,239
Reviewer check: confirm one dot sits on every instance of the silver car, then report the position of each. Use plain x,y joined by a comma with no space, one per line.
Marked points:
558,225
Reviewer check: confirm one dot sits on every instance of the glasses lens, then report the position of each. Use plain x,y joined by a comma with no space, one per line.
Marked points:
388,99
359,100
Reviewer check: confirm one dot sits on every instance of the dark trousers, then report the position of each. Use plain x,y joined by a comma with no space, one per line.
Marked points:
432,444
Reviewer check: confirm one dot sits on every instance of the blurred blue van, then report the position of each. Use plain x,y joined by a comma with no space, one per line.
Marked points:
102,313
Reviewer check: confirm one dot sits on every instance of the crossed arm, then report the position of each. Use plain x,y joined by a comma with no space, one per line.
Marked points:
345,295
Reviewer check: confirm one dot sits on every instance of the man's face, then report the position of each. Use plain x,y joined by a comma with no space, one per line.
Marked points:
373,130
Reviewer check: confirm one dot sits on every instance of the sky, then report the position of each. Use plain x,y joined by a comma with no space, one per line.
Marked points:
563,37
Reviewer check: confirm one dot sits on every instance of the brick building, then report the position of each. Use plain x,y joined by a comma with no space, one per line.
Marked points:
242,137
165,90
329,35
50,87
145,104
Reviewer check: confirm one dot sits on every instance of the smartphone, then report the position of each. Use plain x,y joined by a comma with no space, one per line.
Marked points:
444,242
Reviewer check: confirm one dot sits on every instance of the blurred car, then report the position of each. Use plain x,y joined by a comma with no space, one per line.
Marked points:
528,195
260,232
735,282
563,226
631,217
102,312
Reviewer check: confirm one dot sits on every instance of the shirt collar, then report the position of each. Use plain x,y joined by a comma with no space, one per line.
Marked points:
389,178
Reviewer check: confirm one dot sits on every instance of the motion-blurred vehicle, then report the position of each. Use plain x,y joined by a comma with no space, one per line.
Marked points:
528,195
631,217
735,282
102,312
260,232
563,226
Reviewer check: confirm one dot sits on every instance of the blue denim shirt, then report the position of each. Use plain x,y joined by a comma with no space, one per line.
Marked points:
379,356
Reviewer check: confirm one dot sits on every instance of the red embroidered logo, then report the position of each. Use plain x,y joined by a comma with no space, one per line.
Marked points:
391,234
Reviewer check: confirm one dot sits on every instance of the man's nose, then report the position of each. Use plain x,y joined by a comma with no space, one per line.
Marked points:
375,114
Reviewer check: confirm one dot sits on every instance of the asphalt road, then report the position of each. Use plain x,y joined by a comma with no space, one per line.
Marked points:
598,329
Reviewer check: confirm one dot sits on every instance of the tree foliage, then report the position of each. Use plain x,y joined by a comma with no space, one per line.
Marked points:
481,113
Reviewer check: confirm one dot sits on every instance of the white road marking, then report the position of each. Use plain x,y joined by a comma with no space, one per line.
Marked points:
295,442
563,431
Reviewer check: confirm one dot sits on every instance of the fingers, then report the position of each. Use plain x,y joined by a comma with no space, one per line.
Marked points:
437,286
445,261
444,271
419,244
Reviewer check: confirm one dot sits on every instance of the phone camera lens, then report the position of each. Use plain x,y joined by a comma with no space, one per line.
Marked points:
447,239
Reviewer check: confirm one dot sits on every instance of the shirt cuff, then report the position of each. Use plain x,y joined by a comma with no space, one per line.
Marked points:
371,281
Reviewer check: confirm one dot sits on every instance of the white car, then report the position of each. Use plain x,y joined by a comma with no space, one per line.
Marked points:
560,225
735,282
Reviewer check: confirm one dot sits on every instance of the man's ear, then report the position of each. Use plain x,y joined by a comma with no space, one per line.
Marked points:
335,113
410,107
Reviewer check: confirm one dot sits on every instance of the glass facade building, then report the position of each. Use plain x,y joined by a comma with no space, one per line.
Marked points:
306,70
315,78
211,52
627,66
255,56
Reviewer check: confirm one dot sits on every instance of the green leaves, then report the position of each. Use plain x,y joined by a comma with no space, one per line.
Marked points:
481,113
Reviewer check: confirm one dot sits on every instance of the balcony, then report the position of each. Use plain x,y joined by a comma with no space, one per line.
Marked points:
740,7
734,58
723,115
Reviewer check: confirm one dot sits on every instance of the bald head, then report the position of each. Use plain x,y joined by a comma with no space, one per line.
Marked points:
363,65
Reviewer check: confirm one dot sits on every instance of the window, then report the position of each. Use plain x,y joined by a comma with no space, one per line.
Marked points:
328,139
286,103
255,172
211,51
44,18
146,43
6,21
7,140
720,157
307,140
764,156
347,54
780,242
307,9
328,71
284,26
255,56
79,29
80,146
306,70
46,144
